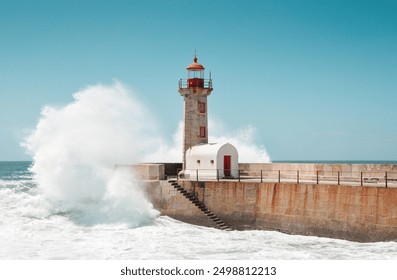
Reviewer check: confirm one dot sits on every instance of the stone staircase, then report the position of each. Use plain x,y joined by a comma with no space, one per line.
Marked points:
200,205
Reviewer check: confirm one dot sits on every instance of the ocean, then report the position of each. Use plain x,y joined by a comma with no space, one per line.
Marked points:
31,228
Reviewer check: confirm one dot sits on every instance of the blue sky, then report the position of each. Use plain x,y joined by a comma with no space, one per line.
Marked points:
317,79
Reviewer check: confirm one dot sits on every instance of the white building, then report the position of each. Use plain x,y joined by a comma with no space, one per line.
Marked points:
211,161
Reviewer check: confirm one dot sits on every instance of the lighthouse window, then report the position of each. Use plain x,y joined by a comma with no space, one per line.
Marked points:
201,107
203,132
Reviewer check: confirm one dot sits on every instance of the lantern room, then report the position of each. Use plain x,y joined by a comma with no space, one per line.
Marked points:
195,74
195,78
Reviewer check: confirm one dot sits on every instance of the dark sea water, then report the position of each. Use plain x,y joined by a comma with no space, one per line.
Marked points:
31,227
12,169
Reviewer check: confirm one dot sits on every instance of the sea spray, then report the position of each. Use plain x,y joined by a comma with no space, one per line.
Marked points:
76,147
243,138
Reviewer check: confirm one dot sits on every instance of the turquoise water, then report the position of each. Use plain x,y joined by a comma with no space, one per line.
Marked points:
12,169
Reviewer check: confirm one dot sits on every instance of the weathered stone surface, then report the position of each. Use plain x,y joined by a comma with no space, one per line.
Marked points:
347,212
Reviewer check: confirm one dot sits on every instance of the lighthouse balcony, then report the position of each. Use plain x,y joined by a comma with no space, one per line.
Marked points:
195,83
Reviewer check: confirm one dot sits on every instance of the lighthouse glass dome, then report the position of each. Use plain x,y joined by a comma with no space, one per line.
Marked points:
196,74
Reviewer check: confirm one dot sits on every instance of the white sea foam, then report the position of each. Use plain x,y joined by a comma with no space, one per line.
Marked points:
75,148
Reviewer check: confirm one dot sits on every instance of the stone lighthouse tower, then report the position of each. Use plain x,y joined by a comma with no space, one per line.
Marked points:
195,90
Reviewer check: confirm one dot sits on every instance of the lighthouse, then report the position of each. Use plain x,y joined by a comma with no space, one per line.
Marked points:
195,90
202,160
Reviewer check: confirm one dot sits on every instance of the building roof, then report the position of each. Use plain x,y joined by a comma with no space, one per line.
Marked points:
195,66
207,149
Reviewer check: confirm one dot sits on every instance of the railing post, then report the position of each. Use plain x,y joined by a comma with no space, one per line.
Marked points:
279,176
217,175
385,179
338,178
297,177
317,176
361,178
197,175
262,176
239,175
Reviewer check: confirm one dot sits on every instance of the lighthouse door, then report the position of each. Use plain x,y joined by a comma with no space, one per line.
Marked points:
226,166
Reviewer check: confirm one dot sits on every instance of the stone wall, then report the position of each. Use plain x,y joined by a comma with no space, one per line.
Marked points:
355,213
360,213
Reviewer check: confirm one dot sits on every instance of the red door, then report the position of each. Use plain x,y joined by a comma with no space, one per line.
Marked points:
226,165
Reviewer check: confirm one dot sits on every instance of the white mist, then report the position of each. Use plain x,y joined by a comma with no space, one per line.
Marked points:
75,148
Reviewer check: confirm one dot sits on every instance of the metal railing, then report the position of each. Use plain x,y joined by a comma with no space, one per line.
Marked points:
357,178
206,83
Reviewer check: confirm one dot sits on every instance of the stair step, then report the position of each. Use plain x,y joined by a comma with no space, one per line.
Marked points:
215,219
225,228
210,214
